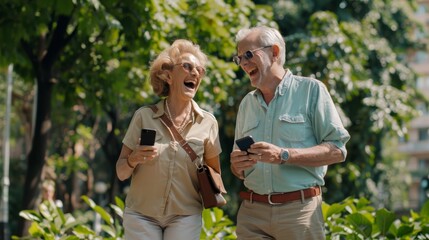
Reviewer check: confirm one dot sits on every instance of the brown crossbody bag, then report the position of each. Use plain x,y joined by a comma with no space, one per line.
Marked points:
210,181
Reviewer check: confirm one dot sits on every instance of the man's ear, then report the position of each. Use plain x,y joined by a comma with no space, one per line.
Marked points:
276,52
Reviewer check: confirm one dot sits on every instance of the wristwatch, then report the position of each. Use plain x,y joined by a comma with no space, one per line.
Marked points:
284,155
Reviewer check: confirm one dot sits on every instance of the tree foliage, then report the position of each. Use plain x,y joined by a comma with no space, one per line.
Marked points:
90,60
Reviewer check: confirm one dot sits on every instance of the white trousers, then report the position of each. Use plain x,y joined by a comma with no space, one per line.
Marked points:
175,227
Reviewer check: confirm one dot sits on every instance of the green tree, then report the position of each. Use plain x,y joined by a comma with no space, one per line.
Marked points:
90,60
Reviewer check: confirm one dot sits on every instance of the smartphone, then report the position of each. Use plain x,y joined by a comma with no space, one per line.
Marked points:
244,143
147,136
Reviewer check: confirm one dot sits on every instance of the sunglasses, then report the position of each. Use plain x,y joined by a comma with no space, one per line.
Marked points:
247,55
189,67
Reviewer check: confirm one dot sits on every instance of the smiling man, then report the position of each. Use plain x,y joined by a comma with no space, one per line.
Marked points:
297,133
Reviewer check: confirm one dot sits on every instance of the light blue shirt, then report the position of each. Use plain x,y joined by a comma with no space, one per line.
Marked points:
301,115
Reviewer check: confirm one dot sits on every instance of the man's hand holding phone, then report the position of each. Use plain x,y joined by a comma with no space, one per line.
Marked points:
240,159
244,143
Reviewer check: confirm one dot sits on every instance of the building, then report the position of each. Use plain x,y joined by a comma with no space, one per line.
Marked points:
417,146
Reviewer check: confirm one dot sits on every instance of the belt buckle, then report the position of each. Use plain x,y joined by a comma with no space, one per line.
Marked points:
269,199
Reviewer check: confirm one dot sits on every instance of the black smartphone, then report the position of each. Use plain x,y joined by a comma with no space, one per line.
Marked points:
147,136
244,143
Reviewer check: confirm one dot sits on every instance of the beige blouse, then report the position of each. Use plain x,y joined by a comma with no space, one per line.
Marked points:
168,185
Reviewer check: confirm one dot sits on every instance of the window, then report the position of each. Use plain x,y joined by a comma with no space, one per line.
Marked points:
421,10
421,57
422,108
423,134
424,164
423,82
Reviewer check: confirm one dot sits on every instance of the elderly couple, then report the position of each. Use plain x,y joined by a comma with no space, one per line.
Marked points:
294,123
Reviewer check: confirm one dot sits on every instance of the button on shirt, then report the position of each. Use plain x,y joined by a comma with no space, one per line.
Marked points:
168,184
301,115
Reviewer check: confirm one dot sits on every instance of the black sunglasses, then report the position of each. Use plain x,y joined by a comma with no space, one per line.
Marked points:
247,55
189,67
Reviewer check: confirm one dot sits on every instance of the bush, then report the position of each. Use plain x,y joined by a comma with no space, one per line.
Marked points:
50,222
349,219
216,225
356,219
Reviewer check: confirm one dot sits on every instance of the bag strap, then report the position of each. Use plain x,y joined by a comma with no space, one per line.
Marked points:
183,143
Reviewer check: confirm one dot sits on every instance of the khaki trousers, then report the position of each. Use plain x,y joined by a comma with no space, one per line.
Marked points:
296,220
174,227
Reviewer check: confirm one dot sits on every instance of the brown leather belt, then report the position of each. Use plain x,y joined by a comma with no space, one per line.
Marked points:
281,198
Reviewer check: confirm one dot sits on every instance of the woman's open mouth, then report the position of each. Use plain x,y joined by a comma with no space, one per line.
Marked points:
190,84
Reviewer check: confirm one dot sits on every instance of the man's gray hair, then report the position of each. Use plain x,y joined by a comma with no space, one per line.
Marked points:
267,36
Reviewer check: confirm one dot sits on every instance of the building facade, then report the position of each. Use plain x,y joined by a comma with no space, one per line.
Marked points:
417,146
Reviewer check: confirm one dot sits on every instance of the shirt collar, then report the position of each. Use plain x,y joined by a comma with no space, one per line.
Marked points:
284,84
161,109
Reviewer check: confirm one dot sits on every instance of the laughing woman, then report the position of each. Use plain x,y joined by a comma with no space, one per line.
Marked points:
163,201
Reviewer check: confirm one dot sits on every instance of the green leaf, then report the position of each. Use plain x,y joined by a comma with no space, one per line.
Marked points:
425,229
218,213
82,230
414,215
207,218
384,220
119,211
45,211
70,221
72,225
360,223
119,202
70,238
424,212
334,209
105,215
109,230
61,215
404,230
88,201
36,230
64,7
31,215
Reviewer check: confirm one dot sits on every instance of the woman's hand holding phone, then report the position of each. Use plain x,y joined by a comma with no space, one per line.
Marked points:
145,150
147,136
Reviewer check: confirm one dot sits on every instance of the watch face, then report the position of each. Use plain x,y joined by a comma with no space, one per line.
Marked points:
285,155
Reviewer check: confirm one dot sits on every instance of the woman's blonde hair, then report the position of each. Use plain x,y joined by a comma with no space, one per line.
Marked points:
164,63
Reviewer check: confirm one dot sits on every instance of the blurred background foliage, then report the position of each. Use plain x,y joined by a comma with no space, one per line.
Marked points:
81,70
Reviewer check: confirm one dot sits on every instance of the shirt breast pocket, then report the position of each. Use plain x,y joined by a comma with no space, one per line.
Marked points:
198,146
295,127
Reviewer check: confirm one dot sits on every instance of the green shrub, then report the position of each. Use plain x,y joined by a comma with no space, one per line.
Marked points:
356,219
216,225
349,219
50,222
